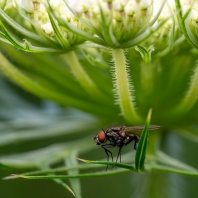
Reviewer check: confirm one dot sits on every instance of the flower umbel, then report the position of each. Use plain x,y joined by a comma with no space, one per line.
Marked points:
41,16
118,22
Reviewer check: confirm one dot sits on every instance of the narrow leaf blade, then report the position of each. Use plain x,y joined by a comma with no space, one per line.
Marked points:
108,163
71,161
141,149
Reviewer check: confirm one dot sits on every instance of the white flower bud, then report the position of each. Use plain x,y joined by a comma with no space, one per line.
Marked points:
65,13
47,27
95,10
144,4
81,6
31,5
119,5
27,5
42,8
131,8
194,15
55,3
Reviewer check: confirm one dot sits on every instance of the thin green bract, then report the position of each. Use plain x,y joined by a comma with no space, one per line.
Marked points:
141,149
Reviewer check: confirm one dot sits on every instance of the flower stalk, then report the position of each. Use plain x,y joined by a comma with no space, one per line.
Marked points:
124,88
82,77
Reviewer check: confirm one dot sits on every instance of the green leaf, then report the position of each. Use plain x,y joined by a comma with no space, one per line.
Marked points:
85,175
19,28
145,52
84,35
184,23
166,160
109,163
46,155
36,158
60,182
170,43
62,41
151,23
141,149
52,129
71,161
163,163
107,32
167,169
145,35
26,46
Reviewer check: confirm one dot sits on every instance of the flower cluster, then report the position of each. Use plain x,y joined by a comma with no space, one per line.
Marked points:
153,28
123,18
40,13
115,22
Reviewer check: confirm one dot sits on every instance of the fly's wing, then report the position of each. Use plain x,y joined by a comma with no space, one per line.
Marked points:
140,128
132,129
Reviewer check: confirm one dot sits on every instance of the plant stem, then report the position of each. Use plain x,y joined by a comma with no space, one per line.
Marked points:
84,175
147,87
82,77
123,90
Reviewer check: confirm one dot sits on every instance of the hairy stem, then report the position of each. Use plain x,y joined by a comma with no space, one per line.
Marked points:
124,87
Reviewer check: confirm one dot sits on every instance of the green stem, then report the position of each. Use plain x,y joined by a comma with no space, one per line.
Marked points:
81,75
124,87
173,170
147,86
85,175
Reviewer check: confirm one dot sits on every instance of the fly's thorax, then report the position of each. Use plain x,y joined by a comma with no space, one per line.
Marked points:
114,128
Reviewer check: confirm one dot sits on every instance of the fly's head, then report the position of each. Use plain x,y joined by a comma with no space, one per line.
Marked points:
100,138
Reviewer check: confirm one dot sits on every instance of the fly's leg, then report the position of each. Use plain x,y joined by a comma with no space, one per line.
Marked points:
136,140
119,154
105,146
107,153
131,138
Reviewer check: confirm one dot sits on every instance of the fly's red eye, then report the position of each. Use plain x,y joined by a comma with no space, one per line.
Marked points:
101,136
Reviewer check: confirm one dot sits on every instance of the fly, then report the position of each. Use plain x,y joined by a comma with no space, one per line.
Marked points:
119,136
